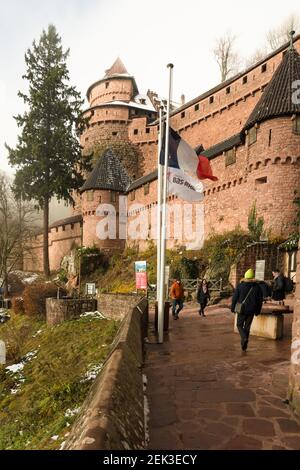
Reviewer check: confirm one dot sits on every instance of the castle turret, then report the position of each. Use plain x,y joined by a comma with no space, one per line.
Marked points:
116,85
279,97
100,197
114,102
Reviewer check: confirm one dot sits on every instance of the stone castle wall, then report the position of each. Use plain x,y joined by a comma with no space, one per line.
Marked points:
266,173
61,241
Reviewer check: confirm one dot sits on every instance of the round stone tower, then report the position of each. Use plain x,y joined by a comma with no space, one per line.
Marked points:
102,202
114,101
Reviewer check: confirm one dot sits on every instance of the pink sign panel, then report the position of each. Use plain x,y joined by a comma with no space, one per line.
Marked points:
141,275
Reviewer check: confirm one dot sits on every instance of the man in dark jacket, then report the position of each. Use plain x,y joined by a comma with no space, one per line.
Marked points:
250,294
278,286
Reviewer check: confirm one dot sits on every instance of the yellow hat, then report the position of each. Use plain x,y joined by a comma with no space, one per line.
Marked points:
249,274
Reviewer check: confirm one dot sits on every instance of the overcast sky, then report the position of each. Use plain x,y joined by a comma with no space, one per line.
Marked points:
147,35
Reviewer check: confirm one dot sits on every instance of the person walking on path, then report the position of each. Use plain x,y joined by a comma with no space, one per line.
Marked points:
278,292
177,296
203,296
247,301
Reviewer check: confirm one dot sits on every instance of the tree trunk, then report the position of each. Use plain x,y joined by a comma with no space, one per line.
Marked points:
46,237
5,284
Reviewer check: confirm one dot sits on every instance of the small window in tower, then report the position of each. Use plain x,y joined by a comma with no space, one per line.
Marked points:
230,157
263,68
90,196
86,139
296,125
245,79
262,180
211,99
146,189
113,196
228,90
99,199
106,84
114,133
270,137
132,196
147,130
135,131
252,135
142,101
196,107
183,115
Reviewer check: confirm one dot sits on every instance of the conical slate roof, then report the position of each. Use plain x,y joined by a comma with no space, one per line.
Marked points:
118,68
277,98
108,173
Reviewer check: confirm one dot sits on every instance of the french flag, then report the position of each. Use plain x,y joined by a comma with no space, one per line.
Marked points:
184,158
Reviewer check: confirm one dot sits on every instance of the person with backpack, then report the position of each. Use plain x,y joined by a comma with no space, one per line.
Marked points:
278,288
247,302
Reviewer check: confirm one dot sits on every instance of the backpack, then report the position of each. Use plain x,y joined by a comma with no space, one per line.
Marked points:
288,285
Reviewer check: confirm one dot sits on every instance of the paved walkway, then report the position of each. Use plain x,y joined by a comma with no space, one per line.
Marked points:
204,393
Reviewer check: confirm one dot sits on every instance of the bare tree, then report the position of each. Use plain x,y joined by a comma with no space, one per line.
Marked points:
16,228
257,56
278,36
226,57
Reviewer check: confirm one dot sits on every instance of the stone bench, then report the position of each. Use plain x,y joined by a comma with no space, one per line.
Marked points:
269,324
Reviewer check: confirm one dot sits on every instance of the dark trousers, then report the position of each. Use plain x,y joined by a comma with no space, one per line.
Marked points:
243,325
179,303
202,307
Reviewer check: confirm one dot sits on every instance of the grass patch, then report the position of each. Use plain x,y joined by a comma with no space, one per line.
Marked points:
40,401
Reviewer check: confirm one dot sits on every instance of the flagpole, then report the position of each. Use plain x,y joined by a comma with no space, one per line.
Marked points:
159,194
161,302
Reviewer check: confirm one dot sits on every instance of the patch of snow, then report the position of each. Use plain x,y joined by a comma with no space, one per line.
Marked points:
37,333
30,355
15,368
92,373
95,314
31,279
13,391
54,438
70,413
62,445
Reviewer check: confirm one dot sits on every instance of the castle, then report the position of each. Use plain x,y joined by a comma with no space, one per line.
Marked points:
248,126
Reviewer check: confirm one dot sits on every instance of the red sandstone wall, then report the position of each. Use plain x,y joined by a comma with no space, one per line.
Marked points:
228,201
107,123
91,219
117,89
144,210
215,122
61,241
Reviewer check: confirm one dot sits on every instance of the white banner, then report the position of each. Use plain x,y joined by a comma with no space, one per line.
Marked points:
184,186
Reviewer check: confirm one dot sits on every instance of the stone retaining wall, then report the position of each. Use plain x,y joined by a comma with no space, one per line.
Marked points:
117,306
60,310
112,416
